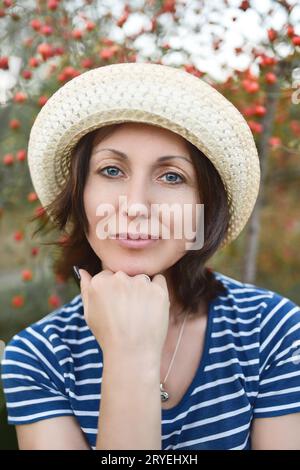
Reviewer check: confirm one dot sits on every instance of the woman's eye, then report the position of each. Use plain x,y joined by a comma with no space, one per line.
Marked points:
175,175
109,167
116,169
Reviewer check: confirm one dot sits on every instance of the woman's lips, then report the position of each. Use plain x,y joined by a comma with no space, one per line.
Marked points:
134,243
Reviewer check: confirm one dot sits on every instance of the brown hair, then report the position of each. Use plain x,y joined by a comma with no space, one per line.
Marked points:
193,282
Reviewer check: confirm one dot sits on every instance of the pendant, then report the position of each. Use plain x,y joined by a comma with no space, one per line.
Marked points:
163,394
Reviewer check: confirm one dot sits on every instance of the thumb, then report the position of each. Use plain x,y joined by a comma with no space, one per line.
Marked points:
161,280
84,282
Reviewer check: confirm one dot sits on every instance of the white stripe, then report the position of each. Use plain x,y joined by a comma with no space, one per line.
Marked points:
91,365
39,354
236,320
85,397
280,377
226,380
39,415
20,350
279,392
66,328
20,389
86,353
293,359
279,342
64,361
69,318
204,404
17,376
73,341
232,345
278,408
237,335
266,292
211,419
90,430
227,279
52,315
234,360
240,309
35,401
86,413
279,325
246,299
88,381
24,366
282,302
285,351
76,299
211,437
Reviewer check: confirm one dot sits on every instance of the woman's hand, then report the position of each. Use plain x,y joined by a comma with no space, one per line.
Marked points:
126,314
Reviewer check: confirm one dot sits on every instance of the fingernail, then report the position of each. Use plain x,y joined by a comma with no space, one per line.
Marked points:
77,273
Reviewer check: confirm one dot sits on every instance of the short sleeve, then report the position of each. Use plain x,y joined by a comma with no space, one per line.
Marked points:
279,377
33,383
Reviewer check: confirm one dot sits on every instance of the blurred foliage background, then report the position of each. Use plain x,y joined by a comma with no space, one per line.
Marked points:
248,50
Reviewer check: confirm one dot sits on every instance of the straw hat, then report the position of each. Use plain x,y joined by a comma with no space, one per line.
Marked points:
155,94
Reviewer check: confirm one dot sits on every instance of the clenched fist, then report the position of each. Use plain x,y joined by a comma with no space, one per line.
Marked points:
126,313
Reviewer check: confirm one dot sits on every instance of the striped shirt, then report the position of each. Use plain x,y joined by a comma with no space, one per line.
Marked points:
250,368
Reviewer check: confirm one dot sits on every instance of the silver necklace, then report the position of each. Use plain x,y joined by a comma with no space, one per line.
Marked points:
163,393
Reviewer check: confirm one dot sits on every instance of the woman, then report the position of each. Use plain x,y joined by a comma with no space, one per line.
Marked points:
157,351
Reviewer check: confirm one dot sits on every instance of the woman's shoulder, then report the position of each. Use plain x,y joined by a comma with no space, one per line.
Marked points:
56,326
275,314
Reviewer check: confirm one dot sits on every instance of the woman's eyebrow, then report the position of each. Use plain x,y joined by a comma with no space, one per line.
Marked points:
125,157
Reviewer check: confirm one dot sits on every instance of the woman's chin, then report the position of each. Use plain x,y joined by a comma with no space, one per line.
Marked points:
133,269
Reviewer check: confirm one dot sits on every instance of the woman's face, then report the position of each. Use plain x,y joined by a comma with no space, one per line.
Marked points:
144,180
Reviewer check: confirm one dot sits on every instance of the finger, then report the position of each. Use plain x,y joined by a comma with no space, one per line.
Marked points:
161,281
84,282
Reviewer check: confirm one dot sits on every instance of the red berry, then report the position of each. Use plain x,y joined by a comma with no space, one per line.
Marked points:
45,50
270,78
18,236
14,124
296,40
272,34
32,197
87,63
250,86
8,159
256,127
42,100
17,301
35,24
27,275
27,74
52,5
33,62
77,34
54,301
21,155
274,141
40,211
290,31
20,97
260,110
4,62
90,25
34,251
7,3
46,30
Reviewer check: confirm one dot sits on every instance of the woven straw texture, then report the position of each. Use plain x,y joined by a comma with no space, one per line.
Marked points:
155,94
